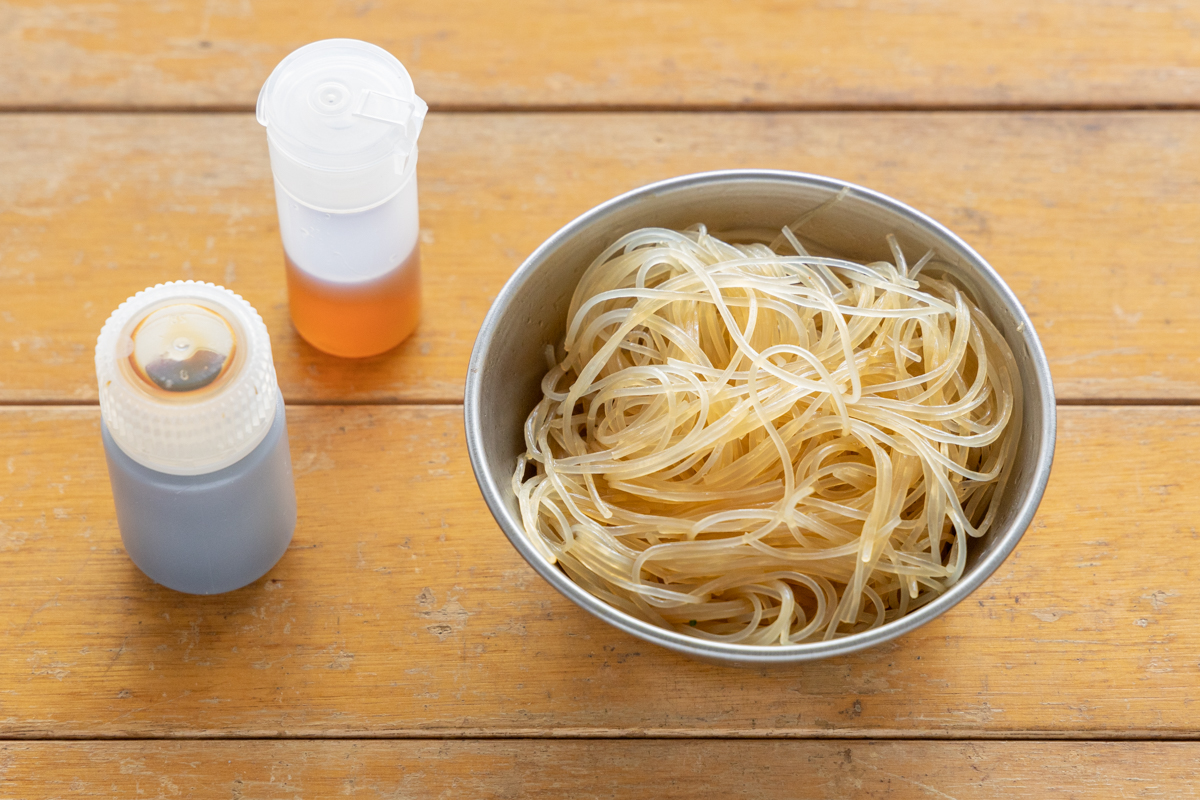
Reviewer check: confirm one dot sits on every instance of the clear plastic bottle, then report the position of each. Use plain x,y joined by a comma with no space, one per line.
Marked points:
195,437
342,120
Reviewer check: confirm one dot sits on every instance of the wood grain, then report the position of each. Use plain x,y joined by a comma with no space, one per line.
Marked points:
1091,218
667,770
145,53
401,610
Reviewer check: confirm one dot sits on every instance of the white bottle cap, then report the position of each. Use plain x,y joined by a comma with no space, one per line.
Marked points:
187,384
342,120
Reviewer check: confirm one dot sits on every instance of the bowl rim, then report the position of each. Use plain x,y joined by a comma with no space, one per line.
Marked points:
725,651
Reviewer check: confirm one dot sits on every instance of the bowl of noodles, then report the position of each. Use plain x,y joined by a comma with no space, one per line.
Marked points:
760,417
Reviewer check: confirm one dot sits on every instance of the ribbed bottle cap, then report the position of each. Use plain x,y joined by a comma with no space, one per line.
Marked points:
187,384
342,119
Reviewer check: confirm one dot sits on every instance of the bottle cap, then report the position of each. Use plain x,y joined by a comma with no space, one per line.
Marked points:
342,120
187,384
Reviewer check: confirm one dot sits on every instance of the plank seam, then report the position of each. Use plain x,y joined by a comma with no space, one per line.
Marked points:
1063,402
649,108
480,736
1126,401
334,403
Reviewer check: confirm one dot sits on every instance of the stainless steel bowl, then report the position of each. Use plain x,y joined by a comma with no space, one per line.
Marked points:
508,361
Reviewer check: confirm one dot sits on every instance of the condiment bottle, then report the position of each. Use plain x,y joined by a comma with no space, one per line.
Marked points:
342,120
195,438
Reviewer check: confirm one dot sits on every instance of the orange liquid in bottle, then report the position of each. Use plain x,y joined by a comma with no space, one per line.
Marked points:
354,320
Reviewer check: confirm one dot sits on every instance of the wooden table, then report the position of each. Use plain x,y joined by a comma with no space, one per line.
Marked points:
402,648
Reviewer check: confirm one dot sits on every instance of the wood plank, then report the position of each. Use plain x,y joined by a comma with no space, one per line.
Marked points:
400,609
91,53
669,770
1091,218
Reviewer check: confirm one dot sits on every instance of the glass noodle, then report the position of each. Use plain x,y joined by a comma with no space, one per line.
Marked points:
752,443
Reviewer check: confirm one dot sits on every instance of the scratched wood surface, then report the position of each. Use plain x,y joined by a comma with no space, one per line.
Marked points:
666,770
1090,217
401,609
146,53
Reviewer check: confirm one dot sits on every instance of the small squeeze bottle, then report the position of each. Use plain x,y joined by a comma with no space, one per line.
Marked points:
342,120
194,434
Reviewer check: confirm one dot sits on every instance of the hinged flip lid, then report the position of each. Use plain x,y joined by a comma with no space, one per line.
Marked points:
342,119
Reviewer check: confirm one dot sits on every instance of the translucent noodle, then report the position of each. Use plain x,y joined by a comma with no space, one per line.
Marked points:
755,444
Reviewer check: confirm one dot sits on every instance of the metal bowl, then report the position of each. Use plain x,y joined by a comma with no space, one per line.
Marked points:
508,362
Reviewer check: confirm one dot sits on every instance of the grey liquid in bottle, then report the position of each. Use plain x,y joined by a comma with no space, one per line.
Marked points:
195,438
206,534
